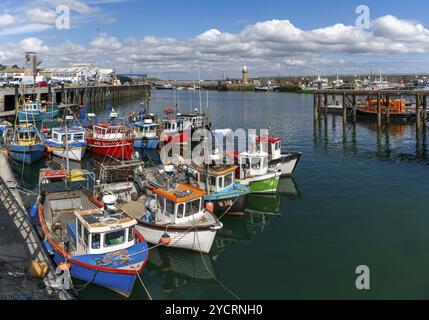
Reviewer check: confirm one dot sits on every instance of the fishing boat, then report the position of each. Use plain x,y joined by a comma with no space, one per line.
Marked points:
111,140
263,88
26,145
254,172
397,109
195,119
174,130
175,217
94,242
226,195
286,163
68,143
35,112
146,133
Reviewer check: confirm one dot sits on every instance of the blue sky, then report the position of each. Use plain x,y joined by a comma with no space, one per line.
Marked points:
169,38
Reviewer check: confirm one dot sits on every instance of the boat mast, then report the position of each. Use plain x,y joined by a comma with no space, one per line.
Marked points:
199,84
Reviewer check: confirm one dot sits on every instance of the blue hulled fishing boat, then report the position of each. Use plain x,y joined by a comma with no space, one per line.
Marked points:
90,240
225,194
35,112
146,133
26,145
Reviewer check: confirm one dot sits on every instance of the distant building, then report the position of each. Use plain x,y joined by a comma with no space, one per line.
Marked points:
78,73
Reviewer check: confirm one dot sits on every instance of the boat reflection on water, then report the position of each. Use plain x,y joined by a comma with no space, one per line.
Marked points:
288,189
260,209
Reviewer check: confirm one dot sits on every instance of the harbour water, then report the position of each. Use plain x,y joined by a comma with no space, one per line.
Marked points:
358,197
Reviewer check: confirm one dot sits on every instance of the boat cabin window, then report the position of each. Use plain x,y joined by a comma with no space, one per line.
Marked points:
212,181
79,229
55,136
131,234
113,130
96,241
275,146
27,135
78,137
193,207
86,237
228,179
99,130
169,207
69,138
180,210
114,238
170,126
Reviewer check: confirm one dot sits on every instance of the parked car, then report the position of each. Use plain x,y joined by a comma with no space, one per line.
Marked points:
42,84
4,84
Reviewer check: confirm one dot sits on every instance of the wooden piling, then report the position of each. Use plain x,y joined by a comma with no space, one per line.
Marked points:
378,110
344,109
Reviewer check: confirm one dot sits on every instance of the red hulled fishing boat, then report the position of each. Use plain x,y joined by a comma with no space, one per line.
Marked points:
111,140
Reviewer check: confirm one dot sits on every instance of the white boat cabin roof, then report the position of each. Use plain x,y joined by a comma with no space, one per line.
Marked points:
96,221
258,154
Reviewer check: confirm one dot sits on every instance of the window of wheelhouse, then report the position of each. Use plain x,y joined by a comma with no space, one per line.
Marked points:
228,180
86,237
114,238
79,137
55,136
180,210
100,130
169,207
256,163
193,207
96,241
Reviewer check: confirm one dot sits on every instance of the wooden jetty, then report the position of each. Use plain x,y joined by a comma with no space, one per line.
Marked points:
19,246
348,103
77,95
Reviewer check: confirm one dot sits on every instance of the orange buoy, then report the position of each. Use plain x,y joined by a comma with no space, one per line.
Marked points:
64,266
210,207
49,150
8,152
165,239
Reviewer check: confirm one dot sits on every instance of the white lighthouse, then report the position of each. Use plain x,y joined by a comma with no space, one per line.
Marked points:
245,78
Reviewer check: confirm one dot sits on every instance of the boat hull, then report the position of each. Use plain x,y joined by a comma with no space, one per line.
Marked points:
74,152
393,116
286,164
121,283
200,240
27,154
263,184
36,116
120,149
231,206
146,143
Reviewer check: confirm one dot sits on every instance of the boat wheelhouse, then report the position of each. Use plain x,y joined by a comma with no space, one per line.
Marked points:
287,163
227,195
96,244
254,172
194,120
146,134
112,140
35,112
174,131
70,143
177,218
26,145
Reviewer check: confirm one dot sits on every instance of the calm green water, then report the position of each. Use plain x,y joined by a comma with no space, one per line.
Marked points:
358,198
